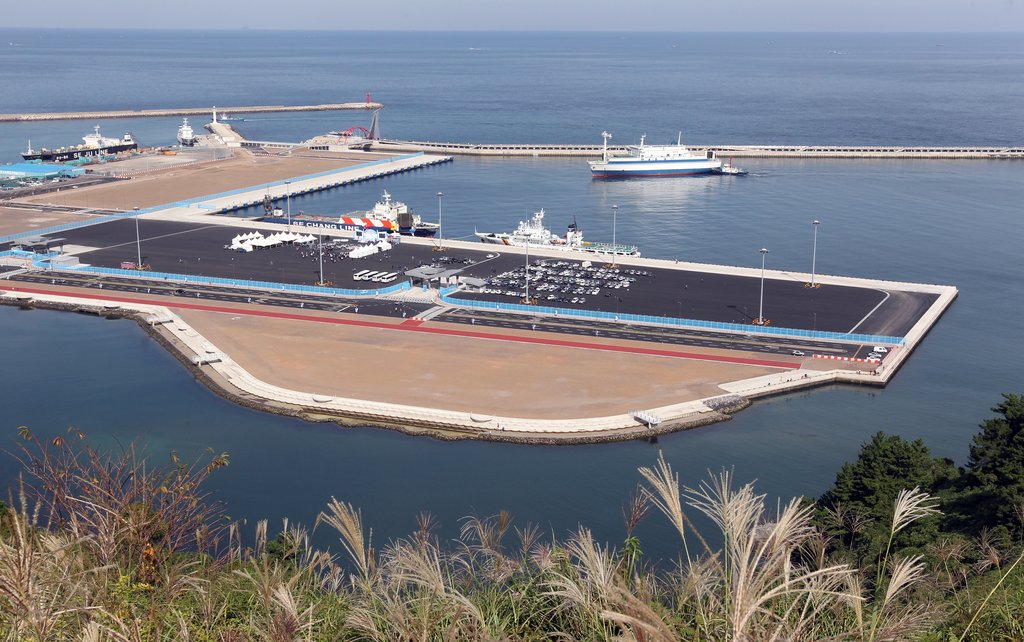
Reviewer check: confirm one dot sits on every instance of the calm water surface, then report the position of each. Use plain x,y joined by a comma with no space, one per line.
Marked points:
948,222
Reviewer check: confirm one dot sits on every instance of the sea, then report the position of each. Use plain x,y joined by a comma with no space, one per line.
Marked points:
955,222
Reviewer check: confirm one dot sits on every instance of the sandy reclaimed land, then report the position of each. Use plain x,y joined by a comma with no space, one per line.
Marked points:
182,183
16,219
456,373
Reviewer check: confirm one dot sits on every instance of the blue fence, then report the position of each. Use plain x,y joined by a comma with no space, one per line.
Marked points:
114,217
670,321
39,261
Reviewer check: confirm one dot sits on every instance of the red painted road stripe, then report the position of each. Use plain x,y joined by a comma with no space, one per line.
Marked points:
414,326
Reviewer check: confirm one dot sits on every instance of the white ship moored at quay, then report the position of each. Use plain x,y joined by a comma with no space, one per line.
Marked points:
387,217
186,136
654,160
94,144
532,233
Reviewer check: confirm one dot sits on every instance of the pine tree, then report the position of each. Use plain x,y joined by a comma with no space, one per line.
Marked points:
994,483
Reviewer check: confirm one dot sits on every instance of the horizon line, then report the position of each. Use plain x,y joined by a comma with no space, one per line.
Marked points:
487,30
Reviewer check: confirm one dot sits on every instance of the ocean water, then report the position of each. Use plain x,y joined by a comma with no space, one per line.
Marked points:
950,222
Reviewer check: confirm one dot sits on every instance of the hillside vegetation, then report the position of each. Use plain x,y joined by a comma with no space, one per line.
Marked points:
903,545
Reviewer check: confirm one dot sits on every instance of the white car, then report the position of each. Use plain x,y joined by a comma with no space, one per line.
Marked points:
880,349
797,353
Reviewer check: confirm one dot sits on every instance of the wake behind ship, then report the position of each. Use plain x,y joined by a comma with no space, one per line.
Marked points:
654,160
94,144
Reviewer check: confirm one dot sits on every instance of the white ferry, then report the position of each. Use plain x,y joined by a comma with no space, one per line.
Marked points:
654,160
532,233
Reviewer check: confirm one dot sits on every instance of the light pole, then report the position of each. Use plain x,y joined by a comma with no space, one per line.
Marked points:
288,200
440,230
760,307
615,216
814,252
321,258
138,240
527,279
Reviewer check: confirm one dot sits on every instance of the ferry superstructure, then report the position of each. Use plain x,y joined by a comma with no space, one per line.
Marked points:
653,160
532,233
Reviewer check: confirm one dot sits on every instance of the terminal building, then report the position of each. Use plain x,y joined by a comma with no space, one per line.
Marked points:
38,171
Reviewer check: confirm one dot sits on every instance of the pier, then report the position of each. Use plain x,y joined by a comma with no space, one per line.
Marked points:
180,111
733,151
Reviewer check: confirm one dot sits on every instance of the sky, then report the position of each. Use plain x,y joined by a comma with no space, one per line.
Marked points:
528,15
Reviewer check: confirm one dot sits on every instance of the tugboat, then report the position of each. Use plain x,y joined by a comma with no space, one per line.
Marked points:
186,137
94,145
532,233
731,169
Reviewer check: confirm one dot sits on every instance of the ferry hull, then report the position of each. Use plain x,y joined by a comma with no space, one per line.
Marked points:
352,227
639,168
62,155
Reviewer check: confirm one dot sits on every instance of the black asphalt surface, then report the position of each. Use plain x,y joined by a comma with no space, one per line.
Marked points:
480,320
190,249
208,294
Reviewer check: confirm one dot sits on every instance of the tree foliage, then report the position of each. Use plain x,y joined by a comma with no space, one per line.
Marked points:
992,489
860,502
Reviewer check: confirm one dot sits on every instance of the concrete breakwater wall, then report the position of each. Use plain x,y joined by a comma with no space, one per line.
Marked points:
181,111
722,151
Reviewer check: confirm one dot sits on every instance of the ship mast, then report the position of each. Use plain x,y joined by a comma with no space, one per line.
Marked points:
606,136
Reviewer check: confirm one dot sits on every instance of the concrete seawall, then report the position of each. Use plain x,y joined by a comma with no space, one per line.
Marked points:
182,111
722,151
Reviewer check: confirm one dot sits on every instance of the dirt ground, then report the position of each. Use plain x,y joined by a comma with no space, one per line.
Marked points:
182,183
14,219
455,373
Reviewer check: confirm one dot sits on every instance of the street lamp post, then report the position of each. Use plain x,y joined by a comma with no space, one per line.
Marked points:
138,240
814,252
760,307
440,230
527,279
288,200
321,258
615,213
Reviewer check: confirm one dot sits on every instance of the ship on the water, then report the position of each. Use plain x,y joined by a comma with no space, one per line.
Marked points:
387,216
186,136
653,160
95,144
532,233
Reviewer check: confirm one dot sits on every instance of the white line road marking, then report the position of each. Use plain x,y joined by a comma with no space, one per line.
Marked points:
850,331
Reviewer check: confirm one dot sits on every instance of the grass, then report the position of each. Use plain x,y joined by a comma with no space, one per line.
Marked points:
112,548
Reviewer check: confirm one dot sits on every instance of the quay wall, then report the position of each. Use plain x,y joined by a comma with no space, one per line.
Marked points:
199,209
181,111
722,151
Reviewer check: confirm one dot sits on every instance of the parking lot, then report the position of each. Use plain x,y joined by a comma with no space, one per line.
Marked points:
554,282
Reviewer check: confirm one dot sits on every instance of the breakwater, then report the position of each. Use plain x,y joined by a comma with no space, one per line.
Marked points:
181,111
722,151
